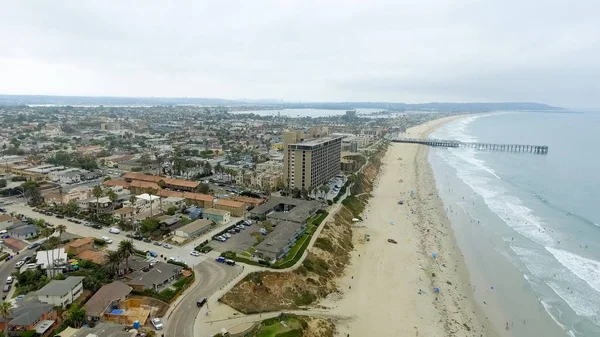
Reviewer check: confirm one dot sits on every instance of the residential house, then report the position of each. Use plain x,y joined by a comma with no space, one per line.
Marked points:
277,244
112,182
115,160
37,316
168,222
89,150
196,199
97,257
157,277
125,214
195,228
77,246
54,258
102,205
138,186
23,231
236,208
61,292
177,202
249,201
171,183
105,299
69,177
217,215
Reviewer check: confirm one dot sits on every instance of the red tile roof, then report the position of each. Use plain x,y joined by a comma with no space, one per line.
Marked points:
229,203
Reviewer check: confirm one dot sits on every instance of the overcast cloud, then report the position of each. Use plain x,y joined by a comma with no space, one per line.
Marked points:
369,50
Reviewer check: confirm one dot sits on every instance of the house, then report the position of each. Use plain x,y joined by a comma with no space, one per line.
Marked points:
105,299
169,222
217,215
56,257
88,150
157,277
79,245
69,177
177,202
97,257
195,228
61,292
111,183
236,208
125,214
115,160
138,186
196,199
37,316
285,209
23,231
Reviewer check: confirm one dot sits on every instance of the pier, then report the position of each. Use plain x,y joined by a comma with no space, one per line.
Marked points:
537,149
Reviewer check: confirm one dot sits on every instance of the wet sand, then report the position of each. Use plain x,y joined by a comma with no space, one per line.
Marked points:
389,288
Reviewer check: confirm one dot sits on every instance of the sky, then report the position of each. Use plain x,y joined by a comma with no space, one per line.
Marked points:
328,50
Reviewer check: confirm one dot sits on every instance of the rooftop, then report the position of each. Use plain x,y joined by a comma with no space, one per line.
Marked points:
60,287
282,208
194,226
96,305
317,141
160,273
229,203
214,211
81,242
278,239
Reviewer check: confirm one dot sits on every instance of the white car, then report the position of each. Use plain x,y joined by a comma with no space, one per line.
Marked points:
114,230
227,235
157,323
9,280
107,239
221,238
168,246
194,253
19,264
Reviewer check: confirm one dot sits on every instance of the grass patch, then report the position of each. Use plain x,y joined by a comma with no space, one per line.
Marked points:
272,327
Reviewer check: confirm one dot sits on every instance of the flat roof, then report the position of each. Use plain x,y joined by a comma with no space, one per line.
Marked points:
280,237
317,141
302,209
214,211
195,226
229,203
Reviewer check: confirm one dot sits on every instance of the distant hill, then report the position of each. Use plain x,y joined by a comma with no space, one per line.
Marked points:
152,101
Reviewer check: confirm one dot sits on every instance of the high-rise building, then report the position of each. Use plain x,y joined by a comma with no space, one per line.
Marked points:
309,163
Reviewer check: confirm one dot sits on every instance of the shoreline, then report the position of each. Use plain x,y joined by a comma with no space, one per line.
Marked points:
389,288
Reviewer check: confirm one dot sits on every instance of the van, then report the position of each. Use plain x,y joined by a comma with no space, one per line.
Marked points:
4,231
201,302
230,262
114,230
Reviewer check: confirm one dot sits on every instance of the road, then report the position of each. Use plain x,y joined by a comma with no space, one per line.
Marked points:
210,277
181,253
8,267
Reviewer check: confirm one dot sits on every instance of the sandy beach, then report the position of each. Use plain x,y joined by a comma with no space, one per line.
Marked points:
389,288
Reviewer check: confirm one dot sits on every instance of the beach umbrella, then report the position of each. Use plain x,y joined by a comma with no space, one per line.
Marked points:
434,255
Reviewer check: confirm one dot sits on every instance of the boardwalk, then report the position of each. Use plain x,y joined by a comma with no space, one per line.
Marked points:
537,149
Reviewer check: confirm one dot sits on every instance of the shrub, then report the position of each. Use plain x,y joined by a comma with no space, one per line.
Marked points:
99,242
291,333
325,244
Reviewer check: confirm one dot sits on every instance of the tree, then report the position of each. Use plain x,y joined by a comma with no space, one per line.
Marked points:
97,193
3,182
47,232
161,183
71,208
126,249
113,260
5,312
31,191
149,225
203,188
171,210
51,244
325,190
145,160
219,169
60,192
75,316
112,196
61,229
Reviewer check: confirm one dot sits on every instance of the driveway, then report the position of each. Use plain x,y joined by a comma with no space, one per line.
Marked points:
210,277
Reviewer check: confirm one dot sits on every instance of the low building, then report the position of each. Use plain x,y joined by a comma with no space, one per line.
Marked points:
157,277
125,214
249,201
6,221
217,215
285,209
195,228
37,316
23,231
236,208
168,222
61,292
97,257
56,257
277,244
105,299
77,246
196,199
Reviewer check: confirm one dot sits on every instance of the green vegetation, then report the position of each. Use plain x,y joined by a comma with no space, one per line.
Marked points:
285,325
63,158
233,256
30,280
297,250
324,244
149,225
171,210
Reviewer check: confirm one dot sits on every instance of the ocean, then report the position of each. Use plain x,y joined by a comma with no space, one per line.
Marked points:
527,224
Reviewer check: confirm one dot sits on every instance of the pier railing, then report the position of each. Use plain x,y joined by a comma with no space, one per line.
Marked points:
537,149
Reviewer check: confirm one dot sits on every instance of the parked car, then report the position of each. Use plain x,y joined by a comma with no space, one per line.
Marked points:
152,254
19,264
157,323
114,230
6,288
167,246
107,239
97,226
156,243
60,216
147,240
227,235
194,253
221,238
220,259
230,262
9,280
34,245
232,231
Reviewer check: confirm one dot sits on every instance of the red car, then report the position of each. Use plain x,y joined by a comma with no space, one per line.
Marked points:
392,241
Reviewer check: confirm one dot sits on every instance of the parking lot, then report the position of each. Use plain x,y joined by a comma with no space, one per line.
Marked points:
237,242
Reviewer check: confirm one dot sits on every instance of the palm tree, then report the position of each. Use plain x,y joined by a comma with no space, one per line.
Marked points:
5,312
97,193
126,249
61,229
113,197
113,261
47,232
60,191
52,243
325,190
150,191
